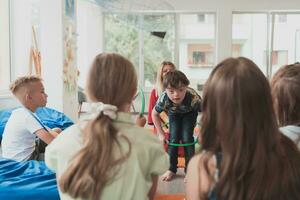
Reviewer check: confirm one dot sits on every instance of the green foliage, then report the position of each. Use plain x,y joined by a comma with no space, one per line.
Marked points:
122,32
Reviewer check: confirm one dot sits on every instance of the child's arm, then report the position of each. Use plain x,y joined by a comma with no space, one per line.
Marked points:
45,136
157,123
153,188
152,102
200,176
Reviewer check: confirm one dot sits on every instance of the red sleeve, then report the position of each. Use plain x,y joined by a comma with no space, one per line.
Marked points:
152,102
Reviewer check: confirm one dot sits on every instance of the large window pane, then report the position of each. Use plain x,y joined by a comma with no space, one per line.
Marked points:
4,46
121,37
145,39
24,19
197,46
159,44
249,37
297,45
286,40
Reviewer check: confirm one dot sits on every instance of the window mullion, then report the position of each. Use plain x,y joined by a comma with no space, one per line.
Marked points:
141,51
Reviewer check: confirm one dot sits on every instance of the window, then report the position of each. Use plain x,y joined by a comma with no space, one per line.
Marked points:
200,55
281,18
201,18
249,37
145,39
24,19
280,57
18,19
285,44
197,46
121,36
157,47
4,45
297,45
148,39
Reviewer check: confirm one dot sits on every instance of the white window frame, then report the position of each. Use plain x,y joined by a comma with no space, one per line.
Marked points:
6,93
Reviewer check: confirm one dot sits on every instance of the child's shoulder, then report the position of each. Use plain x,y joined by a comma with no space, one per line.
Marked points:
163,97
20,112
196,98
192,91
141,134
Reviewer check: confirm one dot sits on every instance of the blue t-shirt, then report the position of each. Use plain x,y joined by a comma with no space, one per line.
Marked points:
191,102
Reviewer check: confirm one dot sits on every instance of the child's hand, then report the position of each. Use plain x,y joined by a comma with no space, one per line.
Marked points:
57,130
140,120
162,138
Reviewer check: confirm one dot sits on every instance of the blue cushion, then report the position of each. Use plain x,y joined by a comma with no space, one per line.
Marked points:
49,117
26,180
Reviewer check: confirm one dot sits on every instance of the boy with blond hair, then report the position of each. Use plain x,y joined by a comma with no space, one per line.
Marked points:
24,135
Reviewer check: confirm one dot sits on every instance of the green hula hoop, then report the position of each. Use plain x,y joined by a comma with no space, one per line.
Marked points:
143,100
183,145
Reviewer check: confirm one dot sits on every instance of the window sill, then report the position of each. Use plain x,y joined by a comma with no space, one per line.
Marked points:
200,66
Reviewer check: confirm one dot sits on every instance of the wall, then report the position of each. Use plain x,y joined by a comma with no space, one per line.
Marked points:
59,56
90,36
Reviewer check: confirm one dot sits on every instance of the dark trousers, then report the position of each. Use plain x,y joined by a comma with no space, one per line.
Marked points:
40,147
181,127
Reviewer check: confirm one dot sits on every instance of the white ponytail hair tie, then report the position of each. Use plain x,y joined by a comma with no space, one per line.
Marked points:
106,109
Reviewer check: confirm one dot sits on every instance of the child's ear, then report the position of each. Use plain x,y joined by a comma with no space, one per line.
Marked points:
28,97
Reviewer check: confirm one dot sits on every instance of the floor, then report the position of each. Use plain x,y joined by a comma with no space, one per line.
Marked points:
172,190
174,186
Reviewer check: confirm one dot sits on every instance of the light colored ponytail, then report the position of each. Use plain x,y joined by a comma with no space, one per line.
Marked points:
112,80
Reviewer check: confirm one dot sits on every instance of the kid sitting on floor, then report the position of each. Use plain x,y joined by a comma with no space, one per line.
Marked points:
24,135
182,105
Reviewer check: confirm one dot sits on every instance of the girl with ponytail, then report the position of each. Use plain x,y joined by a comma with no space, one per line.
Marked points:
107,156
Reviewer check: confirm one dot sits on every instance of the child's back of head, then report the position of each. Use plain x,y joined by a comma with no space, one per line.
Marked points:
22,84
112,84
286,93
112,79
237,109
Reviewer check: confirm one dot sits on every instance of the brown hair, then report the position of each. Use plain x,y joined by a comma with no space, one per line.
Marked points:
175,79
22,82
159,77
285,86
238,121
112,80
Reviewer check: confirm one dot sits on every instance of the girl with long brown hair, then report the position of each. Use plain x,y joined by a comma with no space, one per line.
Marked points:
285,86
244,156
107,156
